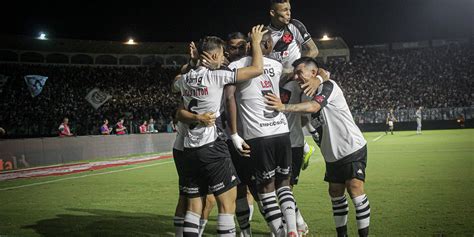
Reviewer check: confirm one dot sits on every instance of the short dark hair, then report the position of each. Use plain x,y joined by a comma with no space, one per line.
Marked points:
305,61
236,35
209,43
273,2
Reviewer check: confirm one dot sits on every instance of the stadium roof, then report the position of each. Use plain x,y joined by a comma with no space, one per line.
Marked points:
90,46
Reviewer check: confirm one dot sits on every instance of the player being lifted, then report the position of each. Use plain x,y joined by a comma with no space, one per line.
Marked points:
343,147
291,41
207,163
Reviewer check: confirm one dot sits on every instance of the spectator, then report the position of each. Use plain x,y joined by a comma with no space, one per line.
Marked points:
64,130
105,130
144,127
120,129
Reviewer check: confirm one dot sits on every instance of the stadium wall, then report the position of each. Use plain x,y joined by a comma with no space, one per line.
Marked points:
60,150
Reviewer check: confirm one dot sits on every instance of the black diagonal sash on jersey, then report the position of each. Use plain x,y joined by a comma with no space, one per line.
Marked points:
284,41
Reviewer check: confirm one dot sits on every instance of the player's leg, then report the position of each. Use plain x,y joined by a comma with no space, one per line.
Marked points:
206,211
336,176
295,172
283,156
340,207
242,210
222,179
355,187
264,167
250,201
179,214
308,149
181,207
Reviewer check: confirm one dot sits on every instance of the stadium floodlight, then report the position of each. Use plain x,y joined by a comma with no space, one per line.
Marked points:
325,37
131,42
42,36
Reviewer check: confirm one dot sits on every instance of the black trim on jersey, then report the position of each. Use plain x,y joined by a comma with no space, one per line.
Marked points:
322,97
268,56
302,30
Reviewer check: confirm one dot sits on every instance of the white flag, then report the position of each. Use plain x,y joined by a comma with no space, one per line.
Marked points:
97,97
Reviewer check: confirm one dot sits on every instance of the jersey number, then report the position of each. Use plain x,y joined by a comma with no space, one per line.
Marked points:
193,103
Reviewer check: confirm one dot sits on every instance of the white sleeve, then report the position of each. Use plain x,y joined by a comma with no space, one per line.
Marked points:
223,77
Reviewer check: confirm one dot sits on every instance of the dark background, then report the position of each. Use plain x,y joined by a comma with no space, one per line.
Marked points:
357,21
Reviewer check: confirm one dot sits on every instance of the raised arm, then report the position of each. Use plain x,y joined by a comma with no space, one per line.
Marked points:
256,69
310,49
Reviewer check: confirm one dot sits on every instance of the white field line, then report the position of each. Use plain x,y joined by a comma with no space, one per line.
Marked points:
82,176
378,138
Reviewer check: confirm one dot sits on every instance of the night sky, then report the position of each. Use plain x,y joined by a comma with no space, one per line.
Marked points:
357,21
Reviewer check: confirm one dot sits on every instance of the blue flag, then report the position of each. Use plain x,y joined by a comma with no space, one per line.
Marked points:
35,84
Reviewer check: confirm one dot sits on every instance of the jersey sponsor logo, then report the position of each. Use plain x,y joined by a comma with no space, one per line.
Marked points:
282,121
216,187
319,98
266,84
268,175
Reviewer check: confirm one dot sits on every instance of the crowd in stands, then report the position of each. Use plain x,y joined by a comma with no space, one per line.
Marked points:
138,94
435,77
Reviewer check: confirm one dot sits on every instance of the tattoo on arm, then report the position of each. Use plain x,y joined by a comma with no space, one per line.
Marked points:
305,107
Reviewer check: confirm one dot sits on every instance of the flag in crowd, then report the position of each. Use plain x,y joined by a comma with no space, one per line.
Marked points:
35,84
97,97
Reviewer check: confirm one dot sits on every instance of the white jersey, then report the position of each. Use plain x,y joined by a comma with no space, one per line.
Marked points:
338,132
202,91
180,133
287,41
418,114
257,120
291,93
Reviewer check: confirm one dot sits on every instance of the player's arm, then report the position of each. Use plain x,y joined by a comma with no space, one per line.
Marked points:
256,69
309,49
242,147
306,107
175,85
184,116
313,106
231,106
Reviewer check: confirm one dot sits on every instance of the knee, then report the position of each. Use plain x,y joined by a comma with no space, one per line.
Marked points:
355,188
336,191
195,205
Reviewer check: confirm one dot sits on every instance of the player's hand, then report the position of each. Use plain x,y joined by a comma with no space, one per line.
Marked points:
324,74
257,34
207,119
310,86
240,145
193,52
274,102
210,61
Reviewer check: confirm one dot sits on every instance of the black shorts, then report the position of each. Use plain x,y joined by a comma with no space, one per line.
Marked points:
349,167
178,158
270,157
297,162
242,166
208,167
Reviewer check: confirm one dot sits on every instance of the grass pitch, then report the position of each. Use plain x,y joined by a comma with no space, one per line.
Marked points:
418,185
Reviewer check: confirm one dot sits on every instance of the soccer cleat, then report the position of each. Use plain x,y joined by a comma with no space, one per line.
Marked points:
306,157
292,234
303,230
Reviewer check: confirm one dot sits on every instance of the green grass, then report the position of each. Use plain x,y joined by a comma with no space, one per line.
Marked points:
417,186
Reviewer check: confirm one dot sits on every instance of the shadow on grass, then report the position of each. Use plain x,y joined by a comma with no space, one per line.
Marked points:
94,222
